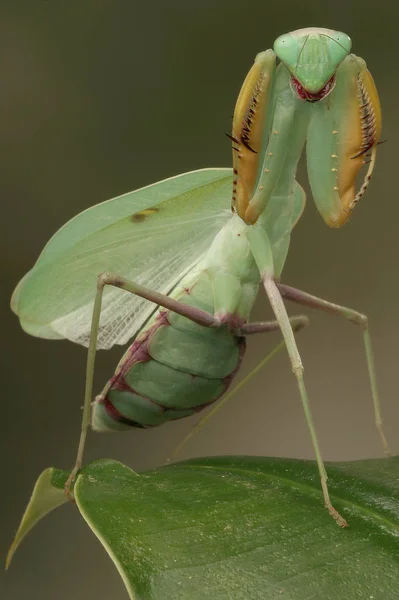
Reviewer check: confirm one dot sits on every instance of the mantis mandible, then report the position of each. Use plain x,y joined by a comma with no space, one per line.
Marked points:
181,270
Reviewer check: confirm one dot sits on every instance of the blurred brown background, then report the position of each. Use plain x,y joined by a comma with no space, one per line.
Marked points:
99,97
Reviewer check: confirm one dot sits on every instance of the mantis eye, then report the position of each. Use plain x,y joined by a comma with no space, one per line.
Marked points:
340,45
286,48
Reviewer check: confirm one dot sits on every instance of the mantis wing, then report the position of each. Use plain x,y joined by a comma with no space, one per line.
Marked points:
153,236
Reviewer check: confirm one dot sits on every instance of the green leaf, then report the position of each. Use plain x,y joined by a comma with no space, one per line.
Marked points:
247,528
47,495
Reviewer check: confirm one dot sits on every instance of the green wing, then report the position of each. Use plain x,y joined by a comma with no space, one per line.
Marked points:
153,236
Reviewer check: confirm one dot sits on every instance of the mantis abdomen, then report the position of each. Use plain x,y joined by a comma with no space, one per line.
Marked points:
173,369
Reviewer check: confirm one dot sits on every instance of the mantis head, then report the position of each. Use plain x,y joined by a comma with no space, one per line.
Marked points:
312,55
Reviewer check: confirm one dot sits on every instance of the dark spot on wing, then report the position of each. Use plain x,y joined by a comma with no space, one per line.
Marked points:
144,214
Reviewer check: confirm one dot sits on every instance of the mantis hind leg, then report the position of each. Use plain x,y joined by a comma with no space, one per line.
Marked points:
359,319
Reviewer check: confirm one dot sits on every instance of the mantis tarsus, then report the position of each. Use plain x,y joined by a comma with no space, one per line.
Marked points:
177,245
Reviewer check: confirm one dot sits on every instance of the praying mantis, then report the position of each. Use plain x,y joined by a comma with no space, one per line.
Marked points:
176,266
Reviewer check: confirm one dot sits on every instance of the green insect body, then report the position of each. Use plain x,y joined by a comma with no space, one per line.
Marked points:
176,367
180,272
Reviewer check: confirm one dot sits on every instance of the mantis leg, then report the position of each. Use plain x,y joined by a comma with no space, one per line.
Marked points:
359,319
194,314
297,323
263,255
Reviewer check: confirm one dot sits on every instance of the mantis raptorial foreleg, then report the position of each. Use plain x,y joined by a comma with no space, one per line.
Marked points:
305,299
262,253
196,315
